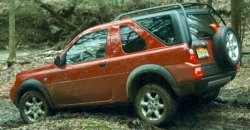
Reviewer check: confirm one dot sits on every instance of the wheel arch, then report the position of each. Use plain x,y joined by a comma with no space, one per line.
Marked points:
33,85
149,73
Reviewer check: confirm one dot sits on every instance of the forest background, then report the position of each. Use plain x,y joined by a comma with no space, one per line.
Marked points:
52,23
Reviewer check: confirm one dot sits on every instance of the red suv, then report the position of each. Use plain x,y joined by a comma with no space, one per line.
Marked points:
149,58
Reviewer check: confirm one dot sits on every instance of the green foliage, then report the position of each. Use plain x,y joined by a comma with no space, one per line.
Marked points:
36,25
94,125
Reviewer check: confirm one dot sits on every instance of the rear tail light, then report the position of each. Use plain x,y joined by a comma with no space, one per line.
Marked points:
198,73
214,26
192,58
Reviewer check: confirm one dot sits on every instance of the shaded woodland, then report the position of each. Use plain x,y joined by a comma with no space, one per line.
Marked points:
52,23
47,25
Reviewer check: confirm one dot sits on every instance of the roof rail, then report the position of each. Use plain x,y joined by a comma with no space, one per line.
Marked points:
165,7
182,6
203,4
170,6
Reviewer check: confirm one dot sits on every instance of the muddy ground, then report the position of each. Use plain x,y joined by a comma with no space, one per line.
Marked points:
231,110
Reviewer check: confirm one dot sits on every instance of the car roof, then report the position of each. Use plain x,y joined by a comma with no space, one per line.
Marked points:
196,11
106,25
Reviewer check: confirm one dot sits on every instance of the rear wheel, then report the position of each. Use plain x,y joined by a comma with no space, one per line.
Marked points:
33,107
154,104
226,47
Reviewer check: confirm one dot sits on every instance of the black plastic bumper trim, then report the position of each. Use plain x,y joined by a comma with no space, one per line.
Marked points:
219,82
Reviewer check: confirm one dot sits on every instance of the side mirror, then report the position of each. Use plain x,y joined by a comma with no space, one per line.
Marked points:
58,61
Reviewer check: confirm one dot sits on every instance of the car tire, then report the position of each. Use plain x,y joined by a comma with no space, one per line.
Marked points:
33,107
154,104
226,47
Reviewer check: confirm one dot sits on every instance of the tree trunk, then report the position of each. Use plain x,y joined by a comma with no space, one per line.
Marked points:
12,48
236,15
179,1
210,2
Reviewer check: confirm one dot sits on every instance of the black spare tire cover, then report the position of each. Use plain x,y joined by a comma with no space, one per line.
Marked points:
226,47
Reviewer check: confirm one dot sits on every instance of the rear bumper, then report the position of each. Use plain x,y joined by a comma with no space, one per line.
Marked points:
205,84
212,82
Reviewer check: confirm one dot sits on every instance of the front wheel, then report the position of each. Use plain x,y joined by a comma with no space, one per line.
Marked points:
33,107
154,104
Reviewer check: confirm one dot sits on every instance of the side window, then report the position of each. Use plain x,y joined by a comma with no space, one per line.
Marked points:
161,27
89,46
131,41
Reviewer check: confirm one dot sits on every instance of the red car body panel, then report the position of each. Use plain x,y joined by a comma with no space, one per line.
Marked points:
104,80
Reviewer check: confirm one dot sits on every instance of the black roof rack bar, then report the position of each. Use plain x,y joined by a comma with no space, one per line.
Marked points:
185,15
143,10
159,7
174,6
190,4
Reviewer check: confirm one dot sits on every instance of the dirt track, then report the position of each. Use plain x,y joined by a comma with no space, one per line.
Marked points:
231,110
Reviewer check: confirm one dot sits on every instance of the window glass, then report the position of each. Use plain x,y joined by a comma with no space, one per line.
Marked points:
199,25
216,18
89,46
131,41
160,26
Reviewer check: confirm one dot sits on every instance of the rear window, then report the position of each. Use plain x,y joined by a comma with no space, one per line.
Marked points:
161,27
199,25
131,41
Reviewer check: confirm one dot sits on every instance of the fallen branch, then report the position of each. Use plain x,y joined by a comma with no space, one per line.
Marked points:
55,15
85,26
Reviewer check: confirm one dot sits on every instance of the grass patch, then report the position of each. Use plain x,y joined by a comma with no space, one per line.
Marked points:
95,125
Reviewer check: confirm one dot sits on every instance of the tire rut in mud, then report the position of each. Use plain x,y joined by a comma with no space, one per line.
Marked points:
231,110
216,115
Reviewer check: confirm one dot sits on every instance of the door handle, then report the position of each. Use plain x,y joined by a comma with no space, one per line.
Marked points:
103,64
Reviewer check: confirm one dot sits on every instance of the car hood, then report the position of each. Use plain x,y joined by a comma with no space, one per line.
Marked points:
38,69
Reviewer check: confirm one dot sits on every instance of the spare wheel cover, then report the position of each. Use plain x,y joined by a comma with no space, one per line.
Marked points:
226,47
